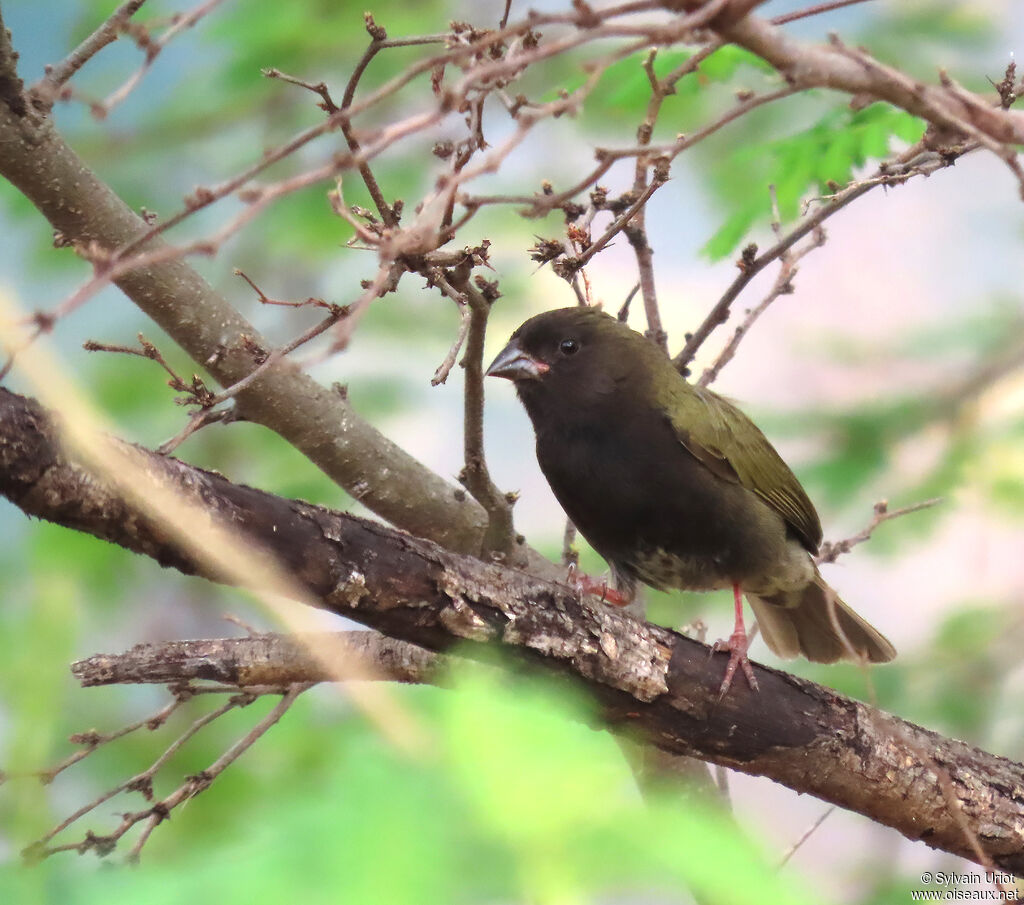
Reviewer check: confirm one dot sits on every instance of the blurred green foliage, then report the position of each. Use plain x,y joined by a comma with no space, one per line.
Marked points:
514,800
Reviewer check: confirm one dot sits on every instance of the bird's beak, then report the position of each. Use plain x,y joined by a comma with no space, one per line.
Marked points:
514,364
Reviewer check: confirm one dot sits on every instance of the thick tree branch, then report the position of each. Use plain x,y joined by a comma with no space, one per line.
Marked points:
314,419
651,682
807,65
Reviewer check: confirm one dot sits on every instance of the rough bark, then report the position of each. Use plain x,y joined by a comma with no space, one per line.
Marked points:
652,683
808,65
268,659
318,421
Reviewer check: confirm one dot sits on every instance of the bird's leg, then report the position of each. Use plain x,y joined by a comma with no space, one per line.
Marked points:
584,584
737,646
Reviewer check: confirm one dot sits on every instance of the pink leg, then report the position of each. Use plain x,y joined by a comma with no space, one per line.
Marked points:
737,647
584,584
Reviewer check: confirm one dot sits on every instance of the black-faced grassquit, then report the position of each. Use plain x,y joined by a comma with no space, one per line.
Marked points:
675,487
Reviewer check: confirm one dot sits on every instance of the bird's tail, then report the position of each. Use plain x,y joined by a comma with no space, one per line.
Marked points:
799,622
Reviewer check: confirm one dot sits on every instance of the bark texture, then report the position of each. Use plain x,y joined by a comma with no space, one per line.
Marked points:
652,683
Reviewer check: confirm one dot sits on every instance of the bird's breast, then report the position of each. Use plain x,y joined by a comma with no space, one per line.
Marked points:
650,508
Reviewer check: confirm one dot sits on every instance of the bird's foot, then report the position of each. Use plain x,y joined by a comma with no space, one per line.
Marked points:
737,645
584,584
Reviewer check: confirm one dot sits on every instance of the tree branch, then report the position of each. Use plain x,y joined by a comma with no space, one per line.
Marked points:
651,683
314,419
807,65
261,660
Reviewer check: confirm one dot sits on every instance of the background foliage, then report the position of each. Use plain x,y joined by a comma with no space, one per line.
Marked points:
512,801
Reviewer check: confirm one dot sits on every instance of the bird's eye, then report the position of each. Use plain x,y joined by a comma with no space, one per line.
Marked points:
568,347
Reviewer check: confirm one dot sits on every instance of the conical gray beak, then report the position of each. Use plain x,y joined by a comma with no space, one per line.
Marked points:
514,364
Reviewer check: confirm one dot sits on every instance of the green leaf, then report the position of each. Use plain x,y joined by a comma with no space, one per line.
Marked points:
802,163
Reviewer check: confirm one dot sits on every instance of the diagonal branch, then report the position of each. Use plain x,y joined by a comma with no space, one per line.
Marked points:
46,90
808,65
317,421
650,682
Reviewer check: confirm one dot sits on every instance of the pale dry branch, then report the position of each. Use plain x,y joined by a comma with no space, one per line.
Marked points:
831,550
816,10
465,315
783,285
180,22
914,161
142,782
49,87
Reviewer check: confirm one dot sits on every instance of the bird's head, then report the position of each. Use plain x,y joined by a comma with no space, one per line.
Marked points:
571,357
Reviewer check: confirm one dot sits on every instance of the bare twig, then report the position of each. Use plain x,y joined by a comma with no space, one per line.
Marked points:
319,88
831,550
783,285
904,166
815,10
200,782
197,420
795,847
179,23
92,741
48,88
377,36
143,783
465,315
500,538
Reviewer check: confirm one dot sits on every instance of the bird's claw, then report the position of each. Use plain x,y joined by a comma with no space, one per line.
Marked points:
584,584
737,645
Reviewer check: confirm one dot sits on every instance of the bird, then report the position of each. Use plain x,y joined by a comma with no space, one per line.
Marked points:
675,487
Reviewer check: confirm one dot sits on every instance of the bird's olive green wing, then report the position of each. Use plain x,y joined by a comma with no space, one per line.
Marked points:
728,443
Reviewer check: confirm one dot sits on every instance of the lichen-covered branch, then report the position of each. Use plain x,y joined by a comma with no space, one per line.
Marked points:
269,660
651,683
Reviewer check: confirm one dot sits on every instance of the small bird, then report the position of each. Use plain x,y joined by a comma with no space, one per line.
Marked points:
675,487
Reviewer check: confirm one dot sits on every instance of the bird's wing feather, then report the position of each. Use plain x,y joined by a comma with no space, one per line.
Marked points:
730,445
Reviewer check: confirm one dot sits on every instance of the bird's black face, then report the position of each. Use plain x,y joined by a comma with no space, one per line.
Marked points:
559,353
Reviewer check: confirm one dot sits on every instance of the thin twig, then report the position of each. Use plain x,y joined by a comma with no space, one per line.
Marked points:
202,781
377,36
831,550
197,420
795,847
47,89
93,741
889,173
815,10
465,315
500,539
180,23
783,285
318,88
141,782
